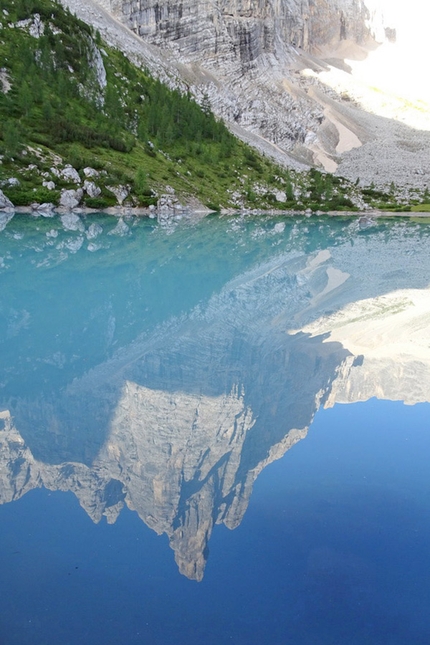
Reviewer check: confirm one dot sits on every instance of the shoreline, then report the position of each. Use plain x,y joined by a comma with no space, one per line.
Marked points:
184,213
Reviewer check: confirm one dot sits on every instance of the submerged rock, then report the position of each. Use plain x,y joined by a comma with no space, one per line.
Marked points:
72,222
94,230
120,229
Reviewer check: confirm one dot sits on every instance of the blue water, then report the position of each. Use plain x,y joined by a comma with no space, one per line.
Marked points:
158,379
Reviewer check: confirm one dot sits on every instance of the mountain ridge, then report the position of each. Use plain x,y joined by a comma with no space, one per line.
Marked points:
259,62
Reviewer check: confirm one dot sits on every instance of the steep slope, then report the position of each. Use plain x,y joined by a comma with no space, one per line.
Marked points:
288,77
80,124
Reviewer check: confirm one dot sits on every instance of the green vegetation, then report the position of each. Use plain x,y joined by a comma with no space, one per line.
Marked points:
420,208
67,98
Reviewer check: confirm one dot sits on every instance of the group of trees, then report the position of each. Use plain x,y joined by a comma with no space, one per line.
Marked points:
55,96
169,116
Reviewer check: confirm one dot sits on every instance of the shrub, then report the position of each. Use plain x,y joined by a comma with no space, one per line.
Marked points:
100,203
145,200
213,207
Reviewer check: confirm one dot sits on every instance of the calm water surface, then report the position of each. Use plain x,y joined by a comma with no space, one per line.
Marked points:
162,385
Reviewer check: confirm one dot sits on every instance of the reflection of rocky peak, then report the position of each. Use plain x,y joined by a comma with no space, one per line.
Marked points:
172,458
178,425
186,461
391,333
190,418
180,454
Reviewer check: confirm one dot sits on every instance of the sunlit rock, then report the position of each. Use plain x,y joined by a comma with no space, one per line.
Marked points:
71,198
91,189
335,84
70,174
121,192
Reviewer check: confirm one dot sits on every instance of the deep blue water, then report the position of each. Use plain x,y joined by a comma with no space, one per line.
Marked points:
158,380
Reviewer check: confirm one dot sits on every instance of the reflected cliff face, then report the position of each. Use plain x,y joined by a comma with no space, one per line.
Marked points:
163,370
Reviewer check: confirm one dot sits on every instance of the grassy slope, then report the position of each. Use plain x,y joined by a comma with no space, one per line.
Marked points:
133,129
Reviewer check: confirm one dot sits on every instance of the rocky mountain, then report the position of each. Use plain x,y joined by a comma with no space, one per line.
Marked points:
95,131
287,76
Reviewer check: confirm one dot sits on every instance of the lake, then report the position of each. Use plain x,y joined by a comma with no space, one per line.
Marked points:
214,431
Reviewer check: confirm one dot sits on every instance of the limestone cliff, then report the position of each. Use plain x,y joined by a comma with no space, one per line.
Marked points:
244,29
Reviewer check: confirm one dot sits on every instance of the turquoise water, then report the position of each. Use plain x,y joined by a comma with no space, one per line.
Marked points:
163,384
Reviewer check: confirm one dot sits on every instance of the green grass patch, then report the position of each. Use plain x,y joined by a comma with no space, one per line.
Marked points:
420,208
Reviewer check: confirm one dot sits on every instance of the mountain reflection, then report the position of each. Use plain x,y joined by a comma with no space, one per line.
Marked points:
178,424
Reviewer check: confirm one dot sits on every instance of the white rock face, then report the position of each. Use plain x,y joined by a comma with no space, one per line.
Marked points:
71,174
4,80
36,28
96,62
249,27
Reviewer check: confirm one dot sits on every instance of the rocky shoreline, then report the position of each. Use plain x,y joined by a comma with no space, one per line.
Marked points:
365,217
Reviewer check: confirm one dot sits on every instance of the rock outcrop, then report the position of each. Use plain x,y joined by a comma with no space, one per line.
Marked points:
5,202
69,199
243,30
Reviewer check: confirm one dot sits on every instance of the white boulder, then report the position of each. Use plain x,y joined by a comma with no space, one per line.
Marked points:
121,193
71,174
91,189
71,198
90,172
